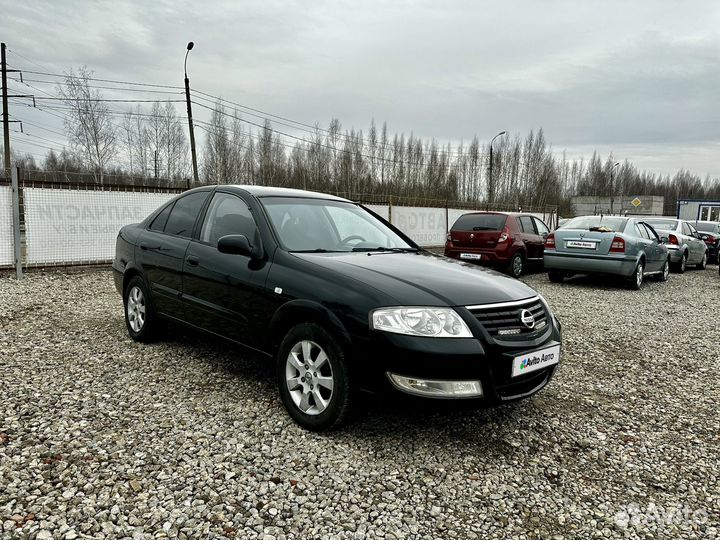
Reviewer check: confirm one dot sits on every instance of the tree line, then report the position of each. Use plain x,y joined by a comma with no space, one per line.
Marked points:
147,145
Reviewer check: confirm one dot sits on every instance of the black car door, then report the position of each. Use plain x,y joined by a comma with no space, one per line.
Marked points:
161,251
225,293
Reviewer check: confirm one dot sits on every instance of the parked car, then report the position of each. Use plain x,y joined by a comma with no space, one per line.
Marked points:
709,232
621,246
683,242
503,240
336,296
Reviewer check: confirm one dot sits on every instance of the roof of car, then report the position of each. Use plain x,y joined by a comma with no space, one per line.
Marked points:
267,191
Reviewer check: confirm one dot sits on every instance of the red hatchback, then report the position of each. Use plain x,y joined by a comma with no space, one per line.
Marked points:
508,241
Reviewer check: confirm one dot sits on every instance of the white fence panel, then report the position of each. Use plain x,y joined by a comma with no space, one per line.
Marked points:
64,225
7,255
426,226
381,210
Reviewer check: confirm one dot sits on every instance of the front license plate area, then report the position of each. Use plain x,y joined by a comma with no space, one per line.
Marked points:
471,256
535,360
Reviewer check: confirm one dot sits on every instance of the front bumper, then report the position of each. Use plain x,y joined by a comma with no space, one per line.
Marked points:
590,264
465,361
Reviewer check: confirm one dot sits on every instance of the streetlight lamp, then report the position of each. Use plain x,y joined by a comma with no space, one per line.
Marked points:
491,186
190,45
612,188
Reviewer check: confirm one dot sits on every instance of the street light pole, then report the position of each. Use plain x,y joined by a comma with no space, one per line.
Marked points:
491,186
612,188
190,120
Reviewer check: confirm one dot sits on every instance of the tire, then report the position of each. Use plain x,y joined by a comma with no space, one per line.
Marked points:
636,281
682,265
702,265
665,271
516,266
322,401
140,318
556,277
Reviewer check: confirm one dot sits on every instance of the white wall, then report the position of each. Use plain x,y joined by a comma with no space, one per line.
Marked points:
64,225
7,255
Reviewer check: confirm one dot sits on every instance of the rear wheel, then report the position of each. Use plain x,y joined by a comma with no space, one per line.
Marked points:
635,282
682,265
312,377
140,318
516,266
556,277
702,265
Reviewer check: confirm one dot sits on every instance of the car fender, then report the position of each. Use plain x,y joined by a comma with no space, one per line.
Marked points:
300,310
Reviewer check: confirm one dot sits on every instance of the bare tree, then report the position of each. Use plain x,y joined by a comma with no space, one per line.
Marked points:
89,123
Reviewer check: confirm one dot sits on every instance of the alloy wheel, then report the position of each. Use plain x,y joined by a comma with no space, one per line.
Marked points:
136,309
703,263
309,377
666,270
517,266
639,275
683,262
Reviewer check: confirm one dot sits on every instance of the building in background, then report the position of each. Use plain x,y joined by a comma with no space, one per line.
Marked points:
643,205
698,210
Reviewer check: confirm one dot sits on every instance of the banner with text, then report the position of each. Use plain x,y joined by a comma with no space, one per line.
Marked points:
7,256
64,225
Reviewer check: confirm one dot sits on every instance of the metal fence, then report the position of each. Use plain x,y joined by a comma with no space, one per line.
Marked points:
59,222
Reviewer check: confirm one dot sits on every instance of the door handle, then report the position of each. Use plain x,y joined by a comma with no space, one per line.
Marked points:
193,261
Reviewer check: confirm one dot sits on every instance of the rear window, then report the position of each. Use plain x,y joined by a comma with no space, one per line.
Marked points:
706,226
480,222
601,223
668,224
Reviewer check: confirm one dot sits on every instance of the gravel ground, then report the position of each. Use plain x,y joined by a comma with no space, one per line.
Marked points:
105,438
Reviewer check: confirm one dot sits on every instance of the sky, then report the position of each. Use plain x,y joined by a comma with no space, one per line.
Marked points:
639,79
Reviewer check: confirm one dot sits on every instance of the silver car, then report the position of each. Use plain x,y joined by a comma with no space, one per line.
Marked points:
620,246
683,241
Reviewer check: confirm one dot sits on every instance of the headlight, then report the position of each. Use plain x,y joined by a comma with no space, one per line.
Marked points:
420,321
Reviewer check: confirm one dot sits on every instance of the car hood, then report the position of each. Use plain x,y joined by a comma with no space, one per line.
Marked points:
423,278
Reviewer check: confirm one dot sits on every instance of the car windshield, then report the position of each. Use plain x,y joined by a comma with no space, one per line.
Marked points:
479,222
320,225
597,223
666,224
708,226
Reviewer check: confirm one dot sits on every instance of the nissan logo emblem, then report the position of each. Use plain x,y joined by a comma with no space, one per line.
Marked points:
527,318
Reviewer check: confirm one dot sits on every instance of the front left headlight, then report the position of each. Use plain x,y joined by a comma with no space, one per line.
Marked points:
420,321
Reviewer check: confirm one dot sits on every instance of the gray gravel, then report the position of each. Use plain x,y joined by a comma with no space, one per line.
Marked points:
104,438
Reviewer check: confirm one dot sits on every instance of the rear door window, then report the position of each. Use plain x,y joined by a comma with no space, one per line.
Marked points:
158,224
526,224
541,227
184,214
480,222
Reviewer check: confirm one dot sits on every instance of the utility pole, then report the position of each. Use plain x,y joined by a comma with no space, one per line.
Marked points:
190,121
612,188
491,185
5,115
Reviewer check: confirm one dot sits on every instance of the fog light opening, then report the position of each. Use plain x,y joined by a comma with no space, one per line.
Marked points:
436,388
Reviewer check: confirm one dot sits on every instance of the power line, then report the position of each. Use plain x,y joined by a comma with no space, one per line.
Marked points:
109,81
142,90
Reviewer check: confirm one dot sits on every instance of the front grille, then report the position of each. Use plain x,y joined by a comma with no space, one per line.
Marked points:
503,321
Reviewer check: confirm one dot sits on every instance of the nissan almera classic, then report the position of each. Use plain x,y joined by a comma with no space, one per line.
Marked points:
338,298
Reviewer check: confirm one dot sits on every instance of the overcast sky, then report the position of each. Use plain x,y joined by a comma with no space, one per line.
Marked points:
640,79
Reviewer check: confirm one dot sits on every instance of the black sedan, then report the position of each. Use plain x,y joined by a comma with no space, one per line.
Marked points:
336,296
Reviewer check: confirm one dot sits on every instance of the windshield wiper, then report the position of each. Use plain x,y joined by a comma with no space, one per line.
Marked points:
318,250
385,249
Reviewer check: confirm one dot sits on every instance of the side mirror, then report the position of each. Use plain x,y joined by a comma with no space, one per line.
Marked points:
544,235
664,239
235,244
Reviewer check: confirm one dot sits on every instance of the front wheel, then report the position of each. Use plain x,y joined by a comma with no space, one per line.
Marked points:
702,265
636,281
665,271
312,377
682,264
